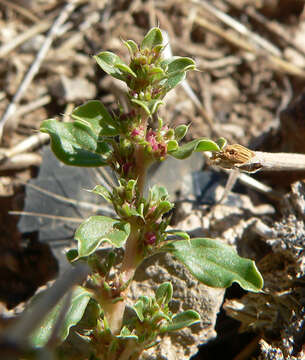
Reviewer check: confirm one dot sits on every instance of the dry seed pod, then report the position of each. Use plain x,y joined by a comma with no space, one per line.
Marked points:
232,155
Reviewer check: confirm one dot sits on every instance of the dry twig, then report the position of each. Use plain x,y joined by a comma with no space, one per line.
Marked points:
188,90
34,105
28,144
242,29
260,48
239,157
21,10
63,16
34,30
21,161
80,204
47,216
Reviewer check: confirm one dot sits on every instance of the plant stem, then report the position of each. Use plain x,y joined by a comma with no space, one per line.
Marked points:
141,166
115,312
129,350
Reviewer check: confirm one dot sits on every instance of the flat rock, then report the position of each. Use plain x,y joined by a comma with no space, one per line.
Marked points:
70,90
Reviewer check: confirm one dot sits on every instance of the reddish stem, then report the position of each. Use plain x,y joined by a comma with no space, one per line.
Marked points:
114,312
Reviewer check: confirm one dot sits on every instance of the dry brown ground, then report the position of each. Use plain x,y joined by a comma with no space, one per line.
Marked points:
252,66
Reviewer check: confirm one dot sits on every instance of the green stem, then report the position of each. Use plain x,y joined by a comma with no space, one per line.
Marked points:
115,312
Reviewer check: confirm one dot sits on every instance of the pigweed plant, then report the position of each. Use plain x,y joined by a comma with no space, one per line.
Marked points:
130,145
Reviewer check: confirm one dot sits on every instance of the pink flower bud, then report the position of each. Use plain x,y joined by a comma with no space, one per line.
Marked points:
162,149
135,132
150,238
151,138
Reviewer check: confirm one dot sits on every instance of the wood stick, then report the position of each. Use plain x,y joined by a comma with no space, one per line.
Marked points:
21,10
28,144
239,157
33,105
80,204
239,27
254,47
63,16
47,216
21,161
274,162
20,39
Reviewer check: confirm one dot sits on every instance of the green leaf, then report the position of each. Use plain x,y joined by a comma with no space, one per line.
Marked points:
108,62
201,144
150,107
96,229
130,189
221,142
173,80
215,263
91,315
157,193
180,132
126,69
164,207
159,315
76,144
181,234
132,47
139,309
72,255
176,70
79,300
172,145
182,320
126,334
146,300
102,191
95,113
152,38
179,65
140,210
164,293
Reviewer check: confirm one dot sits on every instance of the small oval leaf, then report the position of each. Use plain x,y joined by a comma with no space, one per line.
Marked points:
152,38
221,142
74,145
95,113
150,107
180,132
172,145
79,301
108,61
182,320
93,231
126,69
215,263
138,309
181,234
164,293
173,81
158,193
72,255
102,191
126,334
132,47
180,64
197,145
